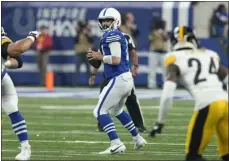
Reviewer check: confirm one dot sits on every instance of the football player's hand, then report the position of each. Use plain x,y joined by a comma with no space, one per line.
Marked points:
156,129
34,35
134,71
91,80
93,55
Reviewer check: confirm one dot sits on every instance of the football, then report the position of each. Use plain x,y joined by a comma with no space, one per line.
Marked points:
94,63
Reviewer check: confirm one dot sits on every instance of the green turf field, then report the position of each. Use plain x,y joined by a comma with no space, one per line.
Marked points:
69,134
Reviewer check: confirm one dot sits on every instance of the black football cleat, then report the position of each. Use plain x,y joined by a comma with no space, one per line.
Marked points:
142,129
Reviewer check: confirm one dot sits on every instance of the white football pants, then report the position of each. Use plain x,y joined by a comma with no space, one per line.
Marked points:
9,96
114,95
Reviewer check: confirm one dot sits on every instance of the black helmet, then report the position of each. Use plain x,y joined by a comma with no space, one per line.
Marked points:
183,37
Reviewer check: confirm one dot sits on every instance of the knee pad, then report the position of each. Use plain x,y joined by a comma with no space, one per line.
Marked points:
10,104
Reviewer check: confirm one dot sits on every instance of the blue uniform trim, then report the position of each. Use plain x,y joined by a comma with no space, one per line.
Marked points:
105,96
3,74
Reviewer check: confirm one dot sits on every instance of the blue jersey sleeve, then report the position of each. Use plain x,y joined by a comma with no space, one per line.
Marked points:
113,37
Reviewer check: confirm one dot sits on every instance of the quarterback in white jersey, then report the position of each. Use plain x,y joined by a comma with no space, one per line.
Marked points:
10,59
200,72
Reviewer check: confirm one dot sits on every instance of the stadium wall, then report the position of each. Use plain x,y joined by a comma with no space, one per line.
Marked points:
18,18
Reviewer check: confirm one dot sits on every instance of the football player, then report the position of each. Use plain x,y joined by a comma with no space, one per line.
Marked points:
115,56
132,102
201,73
10,59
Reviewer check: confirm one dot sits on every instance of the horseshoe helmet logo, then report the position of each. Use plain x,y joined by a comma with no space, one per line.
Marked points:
27,16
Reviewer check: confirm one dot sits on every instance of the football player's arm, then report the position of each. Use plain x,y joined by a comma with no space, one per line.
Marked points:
21,46
115,57
223,75
172,73
134,57
91,80
132,50
13,63
169,88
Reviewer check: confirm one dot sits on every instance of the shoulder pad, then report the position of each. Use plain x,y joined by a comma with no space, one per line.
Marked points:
113,36
170,58
5,39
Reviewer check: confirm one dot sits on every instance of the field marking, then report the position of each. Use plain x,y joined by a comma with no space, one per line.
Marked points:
94,142
91,107
92,132
81,107
74,152
178,127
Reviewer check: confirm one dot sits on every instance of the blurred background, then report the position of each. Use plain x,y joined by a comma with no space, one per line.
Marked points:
70,28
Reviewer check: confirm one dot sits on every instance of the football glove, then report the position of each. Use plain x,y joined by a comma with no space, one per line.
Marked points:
156,129
34,35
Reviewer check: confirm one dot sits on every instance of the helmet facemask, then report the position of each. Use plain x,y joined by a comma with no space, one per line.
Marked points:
109,19
3,33
106,24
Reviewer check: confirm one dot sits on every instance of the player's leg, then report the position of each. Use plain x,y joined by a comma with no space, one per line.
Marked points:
133,106
108,98
222,131
10,106
87,65
77,67
104,83
200,130
38,59
44,65
125,118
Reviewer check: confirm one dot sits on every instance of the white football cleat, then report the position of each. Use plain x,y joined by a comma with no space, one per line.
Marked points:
25,153
114,149
139,142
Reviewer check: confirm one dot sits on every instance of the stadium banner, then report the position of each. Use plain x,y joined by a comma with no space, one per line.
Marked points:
18,18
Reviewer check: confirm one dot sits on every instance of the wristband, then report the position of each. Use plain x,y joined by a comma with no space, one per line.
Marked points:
7,63
107,59
31,37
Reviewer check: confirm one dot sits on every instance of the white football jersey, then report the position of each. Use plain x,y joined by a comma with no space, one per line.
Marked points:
198,73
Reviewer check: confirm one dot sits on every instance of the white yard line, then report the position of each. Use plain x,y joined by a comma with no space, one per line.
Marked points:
93,142
178,127
91,107
88,132
74,152
80,107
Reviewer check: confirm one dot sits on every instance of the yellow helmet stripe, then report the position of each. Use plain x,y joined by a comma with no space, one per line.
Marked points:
181,33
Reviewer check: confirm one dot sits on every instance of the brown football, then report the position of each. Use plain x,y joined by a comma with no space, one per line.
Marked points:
94,63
